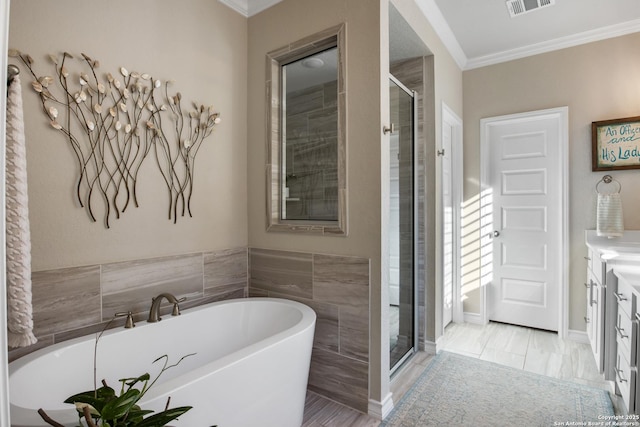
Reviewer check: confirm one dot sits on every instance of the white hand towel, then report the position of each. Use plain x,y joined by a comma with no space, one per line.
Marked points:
609,215
19,309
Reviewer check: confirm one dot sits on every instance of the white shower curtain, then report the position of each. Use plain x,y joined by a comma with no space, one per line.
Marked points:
19,308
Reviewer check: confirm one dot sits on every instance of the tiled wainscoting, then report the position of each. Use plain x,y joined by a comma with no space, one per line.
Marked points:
72,302
337,288
76,301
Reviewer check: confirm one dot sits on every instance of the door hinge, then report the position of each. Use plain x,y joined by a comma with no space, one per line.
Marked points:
440,152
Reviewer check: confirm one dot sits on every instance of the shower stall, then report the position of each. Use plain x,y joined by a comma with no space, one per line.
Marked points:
402,230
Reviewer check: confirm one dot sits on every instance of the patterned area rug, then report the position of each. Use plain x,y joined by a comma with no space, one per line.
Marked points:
456,390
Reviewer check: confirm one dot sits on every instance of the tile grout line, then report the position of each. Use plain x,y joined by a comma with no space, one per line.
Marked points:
526,353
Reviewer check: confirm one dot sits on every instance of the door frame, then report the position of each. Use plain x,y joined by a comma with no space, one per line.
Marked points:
450,118
562,113
4,359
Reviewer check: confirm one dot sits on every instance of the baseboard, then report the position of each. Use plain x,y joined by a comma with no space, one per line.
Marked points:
429,347
380,410
578,336
475,318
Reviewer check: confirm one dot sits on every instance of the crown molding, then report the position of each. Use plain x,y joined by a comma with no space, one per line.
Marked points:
433,14
248,8
431,11
556,44
240,6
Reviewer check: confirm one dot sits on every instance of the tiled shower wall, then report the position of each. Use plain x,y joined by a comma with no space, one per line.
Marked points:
76,301
337,288
312,156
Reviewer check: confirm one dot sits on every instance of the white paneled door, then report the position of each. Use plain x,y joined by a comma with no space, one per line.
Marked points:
522,227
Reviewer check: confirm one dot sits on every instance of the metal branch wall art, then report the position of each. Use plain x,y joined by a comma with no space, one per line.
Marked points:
112,123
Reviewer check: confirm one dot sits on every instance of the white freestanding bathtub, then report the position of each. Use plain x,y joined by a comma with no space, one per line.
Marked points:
250,367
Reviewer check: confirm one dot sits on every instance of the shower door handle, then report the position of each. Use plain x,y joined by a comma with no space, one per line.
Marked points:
389,129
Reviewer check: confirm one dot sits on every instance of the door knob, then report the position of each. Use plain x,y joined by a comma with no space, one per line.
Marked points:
496,233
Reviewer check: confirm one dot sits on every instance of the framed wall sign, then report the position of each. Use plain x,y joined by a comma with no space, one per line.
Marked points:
615,144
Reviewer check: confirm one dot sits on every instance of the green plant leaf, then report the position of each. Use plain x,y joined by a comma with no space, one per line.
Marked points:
110,410
119,406
136,414
97,398
162,418
133,381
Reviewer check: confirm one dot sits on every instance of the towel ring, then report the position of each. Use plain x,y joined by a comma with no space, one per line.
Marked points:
607,179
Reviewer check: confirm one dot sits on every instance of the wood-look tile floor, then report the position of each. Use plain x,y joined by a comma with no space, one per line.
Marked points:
531,350
322,412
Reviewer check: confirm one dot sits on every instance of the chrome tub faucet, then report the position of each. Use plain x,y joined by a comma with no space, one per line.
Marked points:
154,312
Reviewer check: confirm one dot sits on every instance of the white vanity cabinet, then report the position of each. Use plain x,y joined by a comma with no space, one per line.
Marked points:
595,315
612,315
627,292
589,317
636,335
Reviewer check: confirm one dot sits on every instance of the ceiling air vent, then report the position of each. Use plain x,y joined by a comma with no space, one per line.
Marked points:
520,7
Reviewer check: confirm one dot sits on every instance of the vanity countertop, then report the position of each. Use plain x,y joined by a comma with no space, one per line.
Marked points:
622,249
630,275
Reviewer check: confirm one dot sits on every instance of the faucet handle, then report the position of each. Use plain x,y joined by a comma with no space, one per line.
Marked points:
129,322
176,307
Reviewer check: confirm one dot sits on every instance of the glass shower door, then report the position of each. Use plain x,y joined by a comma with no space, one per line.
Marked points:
402,290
